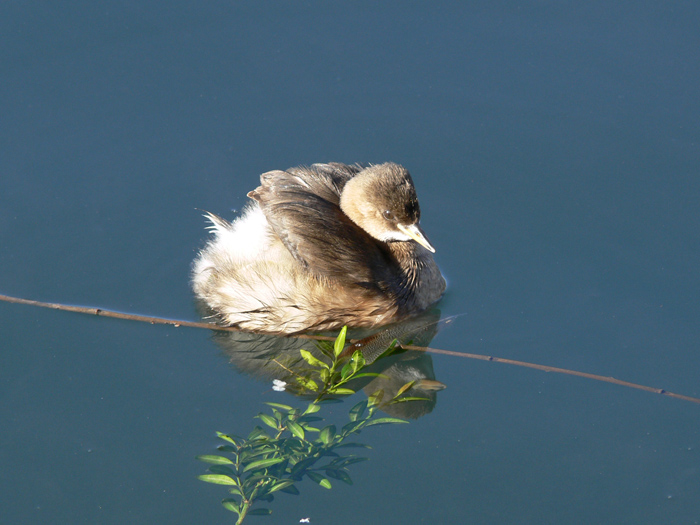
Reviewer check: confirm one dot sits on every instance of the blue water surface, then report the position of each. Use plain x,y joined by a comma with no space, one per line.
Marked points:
555,147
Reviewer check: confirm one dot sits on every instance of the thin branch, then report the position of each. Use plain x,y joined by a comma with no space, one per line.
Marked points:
545,368
211,326
135,317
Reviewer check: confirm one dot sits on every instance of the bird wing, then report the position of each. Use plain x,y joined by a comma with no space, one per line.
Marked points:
302,207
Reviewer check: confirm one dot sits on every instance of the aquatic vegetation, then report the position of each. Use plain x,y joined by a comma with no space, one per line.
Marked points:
294,443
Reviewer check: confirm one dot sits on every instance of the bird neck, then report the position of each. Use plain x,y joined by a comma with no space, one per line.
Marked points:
422,283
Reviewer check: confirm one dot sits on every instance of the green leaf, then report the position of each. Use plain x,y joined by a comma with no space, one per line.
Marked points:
327,435
357,411
279,405
340,342
268,420
255,448
404,388
293,447
291,489
354,426
308,419
218,479
385,420
390,349
227,448
339,474
346,371
295,429
308,383
258,434
325,347
329,400
315,476
214,460
250,485
230,439
409,398
369,374
302,465
221,469
342,391
352,460
358,360
260,512
353,445
248,455
309,358
235,490
262,463
232,505
375,398
312,408
281,485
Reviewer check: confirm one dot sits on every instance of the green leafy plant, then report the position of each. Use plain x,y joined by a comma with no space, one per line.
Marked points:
326,379
293,443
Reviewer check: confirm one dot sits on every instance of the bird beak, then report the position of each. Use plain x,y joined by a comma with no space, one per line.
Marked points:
415,233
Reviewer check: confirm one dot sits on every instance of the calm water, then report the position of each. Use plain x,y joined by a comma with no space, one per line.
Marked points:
555,148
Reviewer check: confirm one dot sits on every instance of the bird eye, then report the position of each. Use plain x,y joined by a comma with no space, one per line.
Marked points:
389,216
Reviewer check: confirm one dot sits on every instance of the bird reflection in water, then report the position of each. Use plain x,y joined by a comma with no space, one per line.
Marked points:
272,358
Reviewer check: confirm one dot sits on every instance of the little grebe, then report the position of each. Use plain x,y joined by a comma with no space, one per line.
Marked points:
320,247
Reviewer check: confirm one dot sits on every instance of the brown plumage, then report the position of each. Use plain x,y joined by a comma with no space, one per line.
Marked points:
321,247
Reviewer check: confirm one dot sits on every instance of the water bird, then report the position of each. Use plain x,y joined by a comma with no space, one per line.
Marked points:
319,247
